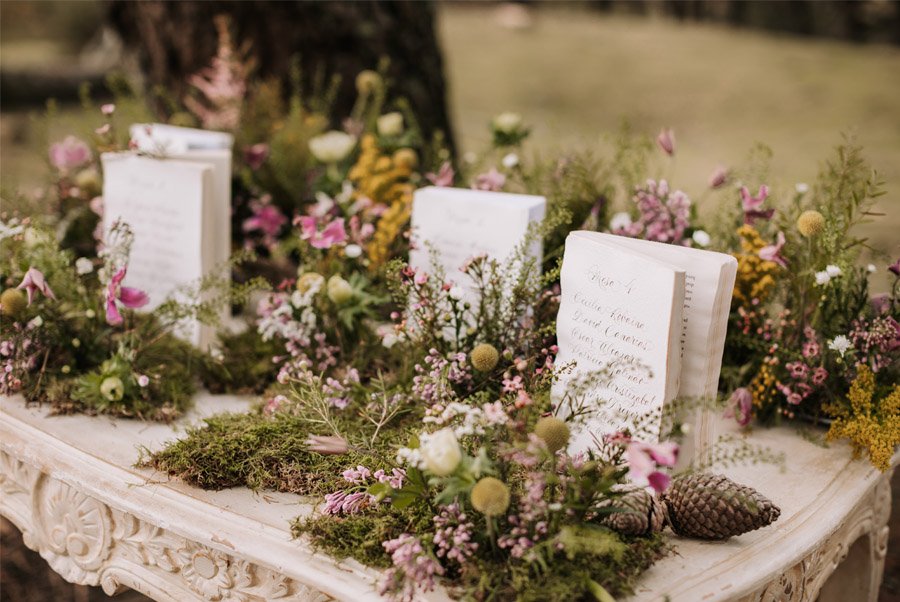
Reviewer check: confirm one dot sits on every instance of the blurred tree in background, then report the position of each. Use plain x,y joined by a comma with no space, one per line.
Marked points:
176,39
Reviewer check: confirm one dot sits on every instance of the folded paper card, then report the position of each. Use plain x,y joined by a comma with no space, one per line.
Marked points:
455,224
648,320
170,207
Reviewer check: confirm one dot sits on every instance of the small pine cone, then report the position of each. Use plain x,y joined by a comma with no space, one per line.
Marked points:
648,514
709,506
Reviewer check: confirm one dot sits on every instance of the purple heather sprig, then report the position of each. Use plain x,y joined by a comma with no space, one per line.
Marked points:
414,569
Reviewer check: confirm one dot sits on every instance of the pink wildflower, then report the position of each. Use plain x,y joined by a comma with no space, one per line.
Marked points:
666,141
752,205
773,252
256,155
70,153
444,176
34,281
334,233
266,218
492,181
718,177
129,297
740,406
644,459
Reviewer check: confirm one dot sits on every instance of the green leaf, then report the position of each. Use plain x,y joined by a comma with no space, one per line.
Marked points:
599,592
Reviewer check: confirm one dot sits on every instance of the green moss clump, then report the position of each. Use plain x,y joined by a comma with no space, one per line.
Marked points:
255,451
245,365
360,536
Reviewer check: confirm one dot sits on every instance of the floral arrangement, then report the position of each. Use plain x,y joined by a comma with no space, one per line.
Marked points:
422,418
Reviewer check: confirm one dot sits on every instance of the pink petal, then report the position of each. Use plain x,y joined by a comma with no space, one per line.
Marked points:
664,454
660,481
335,232
113,316
132,297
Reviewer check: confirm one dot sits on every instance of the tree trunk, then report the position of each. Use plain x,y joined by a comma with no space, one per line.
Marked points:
176,39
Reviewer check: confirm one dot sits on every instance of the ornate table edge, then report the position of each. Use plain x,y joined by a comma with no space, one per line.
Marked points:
90,539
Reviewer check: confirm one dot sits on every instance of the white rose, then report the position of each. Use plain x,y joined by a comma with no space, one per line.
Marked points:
353,251
390,124
833,271
510,160
83,266
507,122
339,290
440,453
619,221
332,146
701,238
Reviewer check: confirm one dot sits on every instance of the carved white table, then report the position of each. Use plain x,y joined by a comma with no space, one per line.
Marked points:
69,485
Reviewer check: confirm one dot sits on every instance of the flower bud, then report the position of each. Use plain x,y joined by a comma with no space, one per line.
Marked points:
112,388
484,357
390,124
507,123
339,290
490,496
368,81
332,147
441,453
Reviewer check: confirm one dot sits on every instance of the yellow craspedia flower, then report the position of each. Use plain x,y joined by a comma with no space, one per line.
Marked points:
12,303
553,432
490,496
484,357
811,223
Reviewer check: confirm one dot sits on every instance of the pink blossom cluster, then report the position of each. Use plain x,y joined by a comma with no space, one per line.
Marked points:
18,356
337,391
805,375
453,535
877,342
434,382
357,499
266,219
414,569
529,524
664,215
222,85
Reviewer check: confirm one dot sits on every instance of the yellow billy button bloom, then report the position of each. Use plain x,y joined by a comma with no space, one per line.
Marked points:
490,496
553,432
484,357
811,223
12,303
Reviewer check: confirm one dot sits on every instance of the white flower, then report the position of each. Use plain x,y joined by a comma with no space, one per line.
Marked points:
143,380
841,344
802,187
456,292
390,124
440,452
822,278
353,251
37,322
833,271
10,229
871,267
90,314
507,122
701,238
332,146
83,266
470,157
510,160
619,221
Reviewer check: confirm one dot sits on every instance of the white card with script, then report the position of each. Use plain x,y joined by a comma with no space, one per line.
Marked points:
170,207
655,315
202,146
458,224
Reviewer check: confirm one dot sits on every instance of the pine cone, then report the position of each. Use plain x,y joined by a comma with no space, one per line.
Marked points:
648,514
710,506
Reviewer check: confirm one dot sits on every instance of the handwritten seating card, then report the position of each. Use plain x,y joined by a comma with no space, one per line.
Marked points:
170,207
655,315
460,223
202,146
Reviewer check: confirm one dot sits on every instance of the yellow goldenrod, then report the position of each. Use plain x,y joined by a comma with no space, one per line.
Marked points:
755,276
872,427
